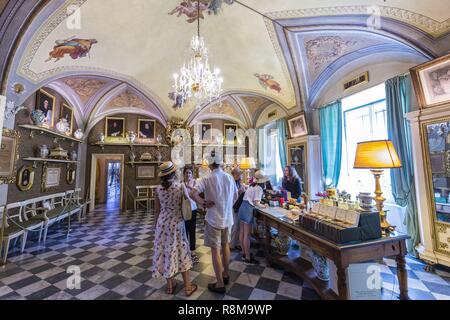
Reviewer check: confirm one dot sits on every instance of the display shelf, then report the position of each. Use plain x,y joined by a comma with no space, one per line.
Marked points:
41,130
134,163
130,145
46,160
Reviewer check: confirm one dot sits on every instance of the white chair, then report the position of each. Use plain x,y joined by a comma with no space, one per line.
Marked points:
17,225
142,199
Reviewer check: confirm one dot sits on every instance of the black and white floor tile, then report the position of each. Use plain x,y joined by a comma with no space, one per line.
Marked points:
114,251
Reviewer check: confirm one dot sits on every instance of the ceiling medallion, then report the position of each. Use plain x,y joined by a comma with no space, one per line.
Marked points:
196,81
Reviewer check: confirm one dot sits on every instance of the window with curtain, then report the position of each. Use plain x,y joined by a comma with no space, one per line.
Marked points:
272,162
365,119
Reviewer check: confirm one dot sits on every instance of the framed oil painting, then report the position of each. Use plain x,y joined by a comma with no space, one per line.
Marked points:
25,178
114,128
205,132
67,113
297,126
146,129
46,103
145,172
230,133
51,178
431,82
9,153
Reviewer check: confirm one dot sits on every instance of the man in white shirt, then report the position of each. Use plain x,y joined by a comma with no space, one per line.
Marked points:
220,195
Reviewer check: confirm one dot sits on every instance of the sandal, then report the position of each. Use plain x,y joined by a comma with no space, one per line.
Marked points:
194,288
171,290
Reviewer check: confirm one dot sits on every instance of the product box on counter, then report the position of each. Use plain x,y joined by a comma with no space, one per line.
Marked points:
367,227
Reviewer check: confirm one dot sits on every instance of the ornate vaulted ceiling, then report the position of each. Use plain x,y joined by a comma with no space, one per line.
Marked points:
125,52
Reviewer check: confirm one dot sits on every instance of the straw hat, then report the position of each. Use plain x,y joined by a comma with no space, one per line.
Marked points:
166,168
260,177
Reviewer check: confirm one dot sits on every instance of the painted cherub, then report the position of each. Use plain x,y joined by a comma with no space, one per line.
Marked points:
267,81
190,10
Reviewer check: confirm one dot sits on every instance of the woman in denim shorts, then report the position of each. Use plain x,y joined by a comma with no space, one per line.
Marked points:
252,200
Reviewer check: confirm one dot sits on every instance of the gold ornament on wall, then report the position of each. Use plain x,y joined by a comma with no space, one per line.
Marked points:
174,125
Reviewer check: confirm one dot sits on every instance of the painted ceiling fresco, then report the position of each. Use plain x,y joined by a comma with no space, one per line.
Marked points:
142,43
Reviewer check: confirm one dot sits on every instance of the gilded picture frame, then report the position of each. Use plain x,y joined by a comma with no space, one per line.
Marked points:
66,112
226,128
9,154
46,102
71,176
146,133
430,82
204,131
115,129
298,126
51,178
25,178
357,81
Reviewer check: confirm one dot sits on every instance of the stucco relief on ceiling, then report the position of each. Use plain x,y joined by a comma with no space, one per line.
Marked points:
84,88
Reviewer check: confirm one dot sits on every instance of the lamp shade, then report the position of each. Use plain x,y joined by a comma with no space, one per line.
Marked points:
248,163
379,154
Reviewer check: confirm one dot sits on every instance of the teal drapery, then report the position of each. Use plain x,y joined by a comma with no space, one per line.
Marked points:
331,140
282,133
261,132
398,95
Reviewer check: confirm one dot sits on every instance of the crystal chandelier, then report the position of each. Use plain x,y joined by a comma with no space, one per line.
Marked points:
196,81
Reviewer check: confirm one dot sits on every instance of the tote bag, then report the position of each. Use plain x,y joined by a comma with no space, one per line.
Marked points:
186,208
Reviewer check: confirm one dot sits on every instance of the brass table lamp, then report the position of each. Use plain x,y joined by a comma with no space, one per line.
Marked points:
378,156
246,165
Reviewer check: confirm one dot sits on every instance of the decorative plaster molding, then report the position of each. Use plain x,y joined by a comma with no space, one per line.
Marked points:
84,88
424,23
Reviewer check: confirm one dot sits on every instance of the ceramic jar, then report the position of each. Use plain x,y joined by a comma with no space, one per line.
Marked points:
78,134
44,151
159,139
38,117
320,265
131,136
73,155
365,200
62,126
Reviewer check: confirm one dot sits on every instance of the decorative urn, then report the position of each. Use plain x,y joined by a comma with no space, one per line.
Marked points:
131,136
132,156
159,139
73,155
101,137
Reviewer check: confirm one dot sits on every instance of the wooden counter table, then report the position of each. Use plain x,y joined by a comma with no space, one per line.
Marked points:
341,255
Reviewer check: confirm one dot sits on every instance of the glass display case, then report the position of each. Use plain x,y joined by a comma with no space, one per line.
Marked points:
437,137
304,154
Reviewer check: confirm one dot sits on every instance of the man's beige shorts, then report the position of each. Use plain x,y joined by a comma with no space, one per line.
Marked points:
216,238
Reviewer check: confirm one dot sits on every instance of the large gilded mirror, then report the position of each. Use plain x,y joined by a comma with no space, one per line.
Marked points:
437,138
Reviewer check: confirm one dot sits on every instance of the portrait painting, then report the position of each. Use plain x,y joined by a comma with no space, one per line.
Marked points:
145,172
9,153
432,82
146,129
298,127
46,103
114,128
230,133
205,132
67,113
25,178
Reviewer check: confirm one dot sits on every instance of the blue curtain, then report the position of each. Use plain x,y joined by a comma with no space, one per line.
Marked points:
282,133
398,95
331,140
261,132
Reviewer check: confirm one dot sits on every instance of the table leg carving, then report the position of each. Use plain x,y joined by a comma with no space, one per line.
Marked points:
402,276
342,282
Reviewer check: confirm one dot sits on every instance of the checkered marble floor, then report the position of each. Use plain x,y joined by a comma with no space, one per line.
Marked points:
114,254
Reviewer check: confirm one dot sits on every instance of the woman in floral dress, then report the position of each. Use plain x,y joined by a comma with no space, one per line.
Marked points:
171,249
